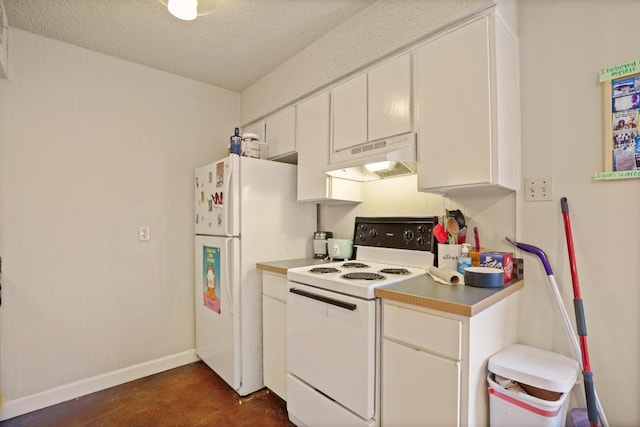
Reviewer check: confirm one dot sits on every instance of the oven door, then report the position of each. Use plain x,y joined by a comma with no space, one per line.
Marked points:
331,342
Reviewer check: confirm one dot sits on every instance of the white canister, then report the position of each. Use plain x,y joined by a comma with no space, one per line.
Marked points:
448,256
250,145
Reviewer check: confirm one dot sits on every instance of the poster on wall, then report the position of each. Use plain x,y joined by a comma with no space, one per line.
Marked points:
621,84
211,278
625,104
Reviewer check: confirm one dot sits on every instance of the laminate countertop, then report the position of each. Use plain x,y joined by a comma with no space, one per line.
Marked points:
422,291
464,300
281,267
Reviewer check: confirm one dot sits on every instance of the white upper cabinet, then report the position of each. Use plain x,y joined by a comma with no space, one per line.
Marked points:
256,127
312,136
349,108
467,115
372,106
389,98
281,133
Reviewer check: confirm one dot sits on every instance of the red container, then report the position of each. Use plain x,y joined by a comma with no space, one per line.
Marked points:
503,260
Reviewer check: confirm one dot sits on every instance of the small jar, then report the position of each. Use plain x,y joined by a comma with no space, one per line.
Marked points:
250,145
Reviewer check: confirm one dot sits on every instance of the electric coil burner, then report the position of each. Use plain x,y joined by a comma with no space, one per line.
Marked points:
354,265
333,322
395,271
324,270
363,276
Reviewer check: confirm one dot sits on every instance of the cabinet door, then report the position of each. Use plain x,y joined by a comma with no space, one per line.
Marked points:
312,134
418,389
349,104
281,133
389,98
257,128
454,114
436,334
274,344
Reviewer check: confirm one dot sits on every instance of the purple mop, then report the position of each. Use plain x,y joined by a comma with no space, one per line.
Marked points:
593,399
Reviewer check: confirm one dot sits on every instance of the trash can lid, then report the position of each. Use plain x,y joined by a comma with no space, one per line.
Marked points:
536,367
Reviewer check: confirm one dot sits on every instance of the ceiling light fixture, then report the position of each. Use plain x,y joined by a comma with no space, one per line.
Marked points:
189,10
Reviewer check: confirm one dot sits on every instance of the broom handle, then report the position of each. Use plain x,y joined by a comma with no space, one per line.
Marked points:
581,324
565,316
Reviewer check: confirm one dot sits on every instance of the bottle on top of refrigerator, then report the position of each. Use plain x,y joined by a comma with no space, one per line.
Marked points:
465,260
235,142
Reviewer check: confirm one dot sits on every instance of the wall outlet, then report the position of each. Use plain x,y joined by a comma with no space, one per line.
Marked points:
538,189
143,233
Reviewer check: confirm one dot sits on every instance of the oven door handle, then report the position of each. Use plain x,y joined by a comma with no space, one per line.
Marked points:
332,301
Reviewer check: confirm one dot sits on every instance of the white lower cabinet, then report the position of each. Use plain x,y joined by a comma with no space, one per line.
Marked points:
274,330
418,386
433,364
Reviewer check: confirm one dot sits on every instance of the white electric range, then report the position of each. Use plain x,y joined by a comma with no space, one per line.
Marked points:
333,321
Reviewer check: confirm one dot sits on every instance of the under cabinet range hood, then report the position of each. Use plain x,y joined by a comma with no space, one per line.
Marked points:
386,158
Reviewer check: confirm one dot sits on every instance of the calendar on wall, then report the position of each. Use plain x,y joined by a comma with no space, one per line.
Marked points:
621,95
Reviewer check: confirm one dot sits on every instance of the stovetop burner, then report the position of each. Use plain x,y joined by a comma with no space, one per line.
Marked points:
403,271
363,276
355,265
324,270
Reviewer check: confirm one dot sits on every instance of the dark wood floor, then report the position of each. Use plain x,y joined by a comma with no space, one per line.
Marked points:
191,395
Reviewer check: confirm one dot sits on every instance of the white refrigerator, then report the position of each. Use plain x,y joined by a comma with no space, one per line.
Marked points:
245,212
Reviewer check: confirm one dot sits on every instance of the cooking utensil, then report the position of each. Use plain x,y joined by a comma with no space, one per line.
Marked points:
452,227
476,237
462,222
563,311
440,233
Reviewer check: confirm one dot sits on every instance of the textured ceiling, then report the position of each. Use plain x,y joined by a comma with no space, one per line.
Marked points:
241,41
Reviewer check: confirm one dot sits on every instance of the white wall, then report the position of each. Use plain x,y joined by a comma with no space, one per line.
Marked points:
492,213
90,148
563,46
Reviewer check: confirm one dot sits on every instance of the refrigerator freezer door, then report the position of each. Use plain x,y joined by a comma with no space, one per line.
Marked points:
259,199
217,306
216,198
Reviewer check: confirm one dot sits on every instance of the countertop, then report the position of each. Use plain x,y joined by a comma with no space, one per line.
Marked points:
421,291
281,267
464,300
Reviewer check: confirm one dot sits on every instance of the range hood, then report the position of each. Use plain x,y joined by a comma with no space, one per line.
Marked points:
387,158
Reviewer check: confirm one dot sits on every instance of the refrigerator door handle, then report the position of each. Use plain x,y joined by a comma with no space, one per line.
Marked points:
228,275
225,204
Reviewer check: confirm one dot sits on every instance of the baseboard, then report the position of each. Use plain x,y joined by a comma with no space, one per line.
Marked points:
23,405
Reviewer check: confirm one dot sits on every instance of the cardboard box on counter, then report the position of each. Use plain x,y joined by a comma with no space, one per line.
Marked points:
503,260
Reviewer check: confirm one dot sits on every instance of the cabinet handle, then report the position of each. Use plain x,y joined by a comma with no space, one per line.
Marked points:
332,301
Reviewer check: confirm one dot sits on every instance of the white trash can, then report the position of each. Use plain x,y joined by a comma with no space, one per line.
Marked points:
545,380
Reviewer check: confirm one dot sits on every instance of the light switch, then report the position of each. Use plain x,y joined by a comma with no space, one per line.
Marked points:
538,189
143,233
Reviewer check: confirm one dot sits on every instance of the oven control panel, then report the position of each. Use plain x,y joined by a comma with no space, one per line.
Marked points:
414,233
